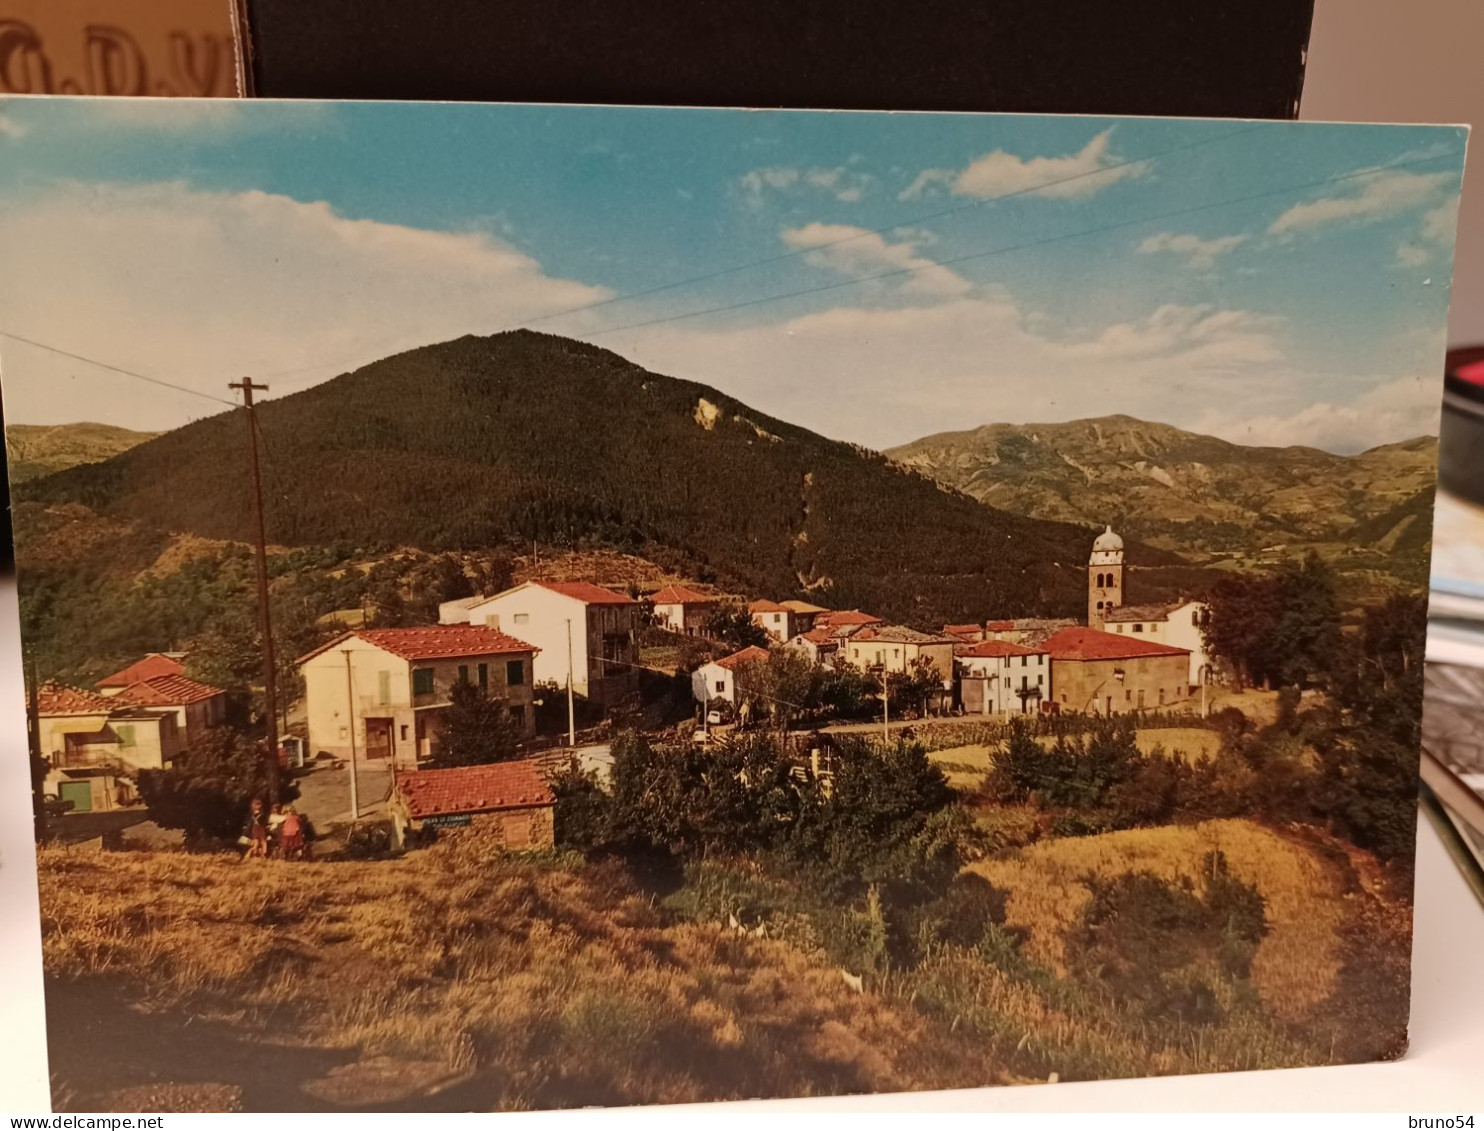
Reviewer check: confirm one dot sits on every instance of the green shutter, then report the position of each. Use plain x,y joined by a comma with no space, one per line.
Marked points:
463,673
484,677
384,687
422,681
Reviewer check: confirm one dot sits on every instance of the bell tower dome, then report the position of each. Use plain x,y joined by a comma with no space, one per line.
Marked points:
1104,577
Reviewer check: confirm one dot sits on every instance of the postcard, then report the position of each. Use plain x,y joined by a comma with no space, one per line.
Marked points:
534,607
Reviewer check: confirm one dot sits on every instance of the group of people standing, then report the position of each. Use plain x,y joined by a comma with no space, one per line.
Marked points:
281,832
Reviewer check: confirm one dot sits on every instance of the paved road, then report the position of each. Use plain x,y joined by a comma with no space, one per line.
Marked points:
324,793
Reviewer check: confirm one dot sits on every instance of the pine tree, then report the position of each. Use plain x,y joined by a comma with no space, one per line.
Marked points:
475,730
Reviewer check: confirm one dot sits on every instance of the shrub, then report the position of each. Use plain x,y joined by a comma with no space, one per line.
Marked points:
208,788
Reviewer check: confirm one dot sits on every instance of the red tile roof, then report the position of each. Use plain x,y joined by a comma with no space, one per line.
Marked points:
1090,644
765,606
167,691
155,664
586,591
751,654
432,642
847,617
963,629
820,636
804,607
61,699
474,789
680,595
987,648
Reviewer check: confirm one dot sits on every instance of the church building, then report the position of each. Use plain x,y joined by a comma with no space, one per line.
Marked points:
1104,578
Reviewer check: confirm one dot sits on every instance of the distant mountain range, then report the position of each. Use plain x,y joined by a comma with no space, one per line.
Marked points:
35,450
1184,491
523,436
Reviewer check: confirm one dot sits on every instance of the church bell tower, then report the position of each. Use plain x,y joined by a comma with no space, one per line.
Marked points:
1104,577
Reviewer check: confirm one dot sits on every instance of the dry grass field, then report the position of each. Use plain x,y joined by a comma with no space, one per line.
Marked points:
440,982
1296,963
451,980
965,766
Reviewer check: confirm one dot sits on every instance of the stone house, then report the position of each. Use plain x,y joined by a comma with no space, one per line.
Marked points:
508,804
1103,673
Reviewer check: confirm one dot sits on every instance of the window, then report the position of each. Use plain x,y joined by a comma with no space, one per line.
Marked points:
1040,680
484,677
518,714
515,673
721,686
383,688
463,673
1141,698
1195,617
422,681
1138,628
1023,660
1118,628
521,618
404,732
126,736
1161,696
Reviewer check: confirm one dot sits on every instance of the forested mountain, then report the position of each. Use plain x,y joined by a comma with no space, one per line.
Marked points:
35,450
523,436
1183,490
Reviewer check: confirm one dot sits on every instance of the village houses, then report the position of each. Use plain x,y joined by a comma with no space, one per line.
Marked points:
94,745
718,679
895,648
379,692
775,619
575,626
682,610
1177,624
820,645
1001,678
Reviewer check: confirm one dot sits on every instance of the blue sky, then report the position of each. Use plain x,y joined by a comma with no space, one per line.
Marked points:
1270,283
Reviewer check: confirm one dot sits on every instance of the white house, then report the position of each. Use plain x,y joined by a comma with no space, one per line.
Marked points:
776,620
680,609
1178,625
197,706
84,730
821,645
601,626
1001,678
718,679
379,692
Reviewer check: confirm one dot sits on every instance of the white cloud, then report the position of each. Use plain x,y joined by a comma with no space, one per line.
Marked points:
1090,170
1380,195
201,287
1412,255
1386,411
9,127
847,185
913,371
1200,255
1439,223
861,253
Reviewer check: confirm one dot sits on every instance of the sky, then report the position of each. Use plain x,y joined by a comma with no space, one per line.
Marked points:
873,277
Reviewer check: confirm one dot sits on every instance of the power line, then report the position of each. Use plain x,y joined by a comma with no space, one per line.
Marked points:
941,263
867,233
115,368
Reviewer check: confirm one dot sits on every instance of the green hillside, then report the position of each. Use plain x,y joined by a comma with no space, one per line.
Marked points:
35,450
523,436
1183,490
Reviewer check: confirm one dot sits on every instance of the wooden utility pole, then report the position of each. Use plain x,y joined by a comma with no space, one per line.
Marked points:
571,703
350,702
33,743
265,620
